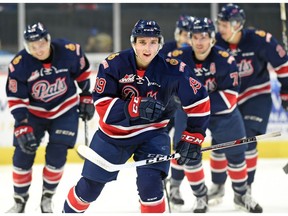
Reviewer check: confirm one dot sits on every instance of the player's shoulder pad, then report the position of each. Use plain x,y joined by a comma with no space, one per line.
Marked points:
172,61
18,60
261,36
176,53
223,55
260,33
176,65
67,45
110,60
113,56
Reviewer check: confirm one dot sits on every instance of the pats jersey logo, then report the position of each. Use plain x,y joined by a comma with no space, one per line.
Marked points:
45,91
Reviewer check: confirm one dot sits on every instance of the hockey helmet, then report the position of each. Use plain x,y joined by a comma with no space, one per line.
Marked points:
146,28
184,22
35,32
203,25
232,13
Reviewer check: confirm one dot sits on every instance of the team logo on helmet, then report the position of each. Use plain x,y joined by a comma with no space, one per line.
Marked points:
146,28
35,32
232,12
203,25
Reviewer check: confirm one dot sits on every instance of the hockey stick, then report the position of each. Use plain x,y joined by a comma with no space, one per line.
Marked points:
86,137
86,132
95,158
283,19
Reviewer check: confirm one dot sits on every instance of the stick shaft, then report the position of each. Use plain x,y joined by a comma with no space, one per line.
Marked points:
283,19
86,132
95,158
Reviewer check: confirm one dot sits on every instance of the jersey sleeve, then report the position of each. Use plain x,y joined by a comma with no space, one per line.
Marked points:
108,104
224,98
195,102
83,70
276,56
17,90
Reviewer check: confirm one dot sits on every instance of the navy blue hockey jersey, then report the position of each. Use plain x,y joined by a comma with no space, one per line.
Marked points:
46,90
168,47
118,80
218,72
255,49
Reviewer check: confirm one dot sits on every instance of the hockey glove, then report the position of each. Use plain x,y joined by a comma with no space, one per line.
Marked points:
86,106
145,108
25,138
189,147
284,99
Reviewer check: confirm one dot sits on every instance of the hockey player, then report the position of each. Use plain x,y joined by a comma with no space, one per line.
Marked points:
180,35
252,49
132,94
217,70
42,97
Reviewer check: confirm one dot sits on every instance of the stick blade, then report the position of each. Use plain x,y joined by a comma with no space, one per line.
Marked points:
269,135
285,168
95,158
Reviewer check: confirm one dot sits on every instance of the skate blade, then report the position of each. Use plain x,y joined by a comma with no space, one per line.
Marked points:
242,208
176,208
215,201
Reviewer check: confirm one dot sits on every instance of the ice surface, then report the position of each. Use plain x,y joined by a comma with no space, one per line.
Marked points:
120,197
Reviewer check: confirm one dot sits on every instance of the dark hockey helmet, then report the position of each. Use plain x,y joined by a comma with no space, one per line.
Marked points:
184,22
146,28
232,13
203,25
35,32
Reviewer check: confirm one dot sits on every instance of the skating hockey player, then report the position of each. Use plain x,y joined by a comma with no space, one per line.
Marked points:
42,96
132,94
218,71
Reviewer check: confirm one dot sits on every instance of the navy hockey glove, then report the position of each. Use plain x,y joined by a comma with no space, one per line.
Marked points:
145,108
189,147
284,99
86,106
25,138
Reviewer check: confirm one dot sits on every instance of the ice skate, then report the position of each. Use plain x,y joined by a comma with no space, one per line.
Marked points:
46,201
175,196
20,203
201,204
247,203
216,193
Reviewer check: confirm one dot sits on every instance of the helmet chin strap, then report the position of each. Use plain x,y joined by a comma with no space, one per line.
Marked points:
234,32
206,53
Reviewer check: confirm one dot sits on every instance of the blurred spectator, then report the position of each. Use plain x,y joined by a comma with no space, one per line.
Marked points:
98,41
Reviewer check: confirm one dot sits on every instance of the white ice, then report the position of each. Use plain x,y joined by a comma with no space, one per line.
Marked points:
270,190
